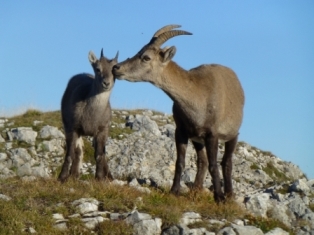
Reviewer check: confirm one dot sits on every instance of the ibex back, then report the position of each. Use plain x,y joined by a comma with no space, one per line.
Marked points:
208,106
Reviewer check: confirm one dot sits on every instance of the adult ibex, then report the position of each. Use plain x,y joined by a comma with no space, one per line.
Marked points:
208,106
86,110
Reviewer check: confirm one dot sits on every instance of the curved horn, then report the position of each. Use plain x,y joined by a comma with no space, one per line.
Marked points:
101,53
166,28
162,38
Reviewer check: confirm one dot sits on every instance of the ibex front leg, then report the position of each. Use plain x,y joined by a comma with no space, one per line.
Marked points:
77,160
71,139
102,169
181,144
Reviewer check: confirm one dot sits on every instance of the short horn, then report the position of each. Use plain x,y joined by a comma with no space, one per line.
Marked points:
166,28
162,38
117,55
101,53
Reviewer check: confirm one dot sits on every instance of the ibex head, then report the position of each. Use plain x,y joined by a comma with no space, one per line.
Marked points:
103,70
149,62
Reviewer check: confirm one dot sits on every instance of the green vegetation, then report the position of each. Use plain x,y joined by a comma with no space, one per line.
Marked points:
114,227
254,166
27,119
2,147
140,111
267,153
88,151
267,224
275,174
284,189
119,133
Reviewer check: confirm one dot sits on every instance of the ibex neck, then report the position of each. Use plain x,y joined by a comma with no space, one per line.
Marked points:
97,96
177,84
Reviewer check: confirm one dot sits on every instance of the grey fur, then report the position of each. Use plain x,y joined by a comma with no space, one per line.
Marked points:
86,111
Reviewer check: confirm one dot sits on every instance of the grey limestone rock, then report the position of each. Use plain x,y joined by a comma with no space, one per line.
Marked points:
24,134
50,132
144,123
258,204
143,223
86,205
226,231
277,231
247,230
309,217
190,218
298,207
151,226
300,185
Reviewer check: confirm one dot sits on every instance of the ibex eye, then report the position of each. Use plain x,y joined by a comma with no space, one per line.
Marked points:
98,70
146,58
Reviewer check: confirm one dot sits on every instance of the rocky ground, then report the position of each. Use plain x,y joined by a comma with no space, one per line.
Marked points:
142,154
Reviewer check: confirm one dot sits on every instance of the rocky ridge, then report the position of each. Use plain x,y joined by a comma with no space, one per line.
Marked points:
264,184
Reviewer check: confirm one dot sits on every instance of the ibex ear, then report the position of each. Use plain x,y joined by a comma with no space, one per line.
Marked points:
167,54
92,58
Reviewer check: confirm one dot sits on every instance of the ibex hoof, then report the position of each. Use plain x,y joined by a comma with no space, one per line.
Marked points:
219,198
62,179
175,190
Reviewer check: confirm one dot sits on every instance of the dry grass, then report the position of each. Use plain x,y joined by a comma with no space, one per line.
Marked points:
33,204
52,118
275,174
267,224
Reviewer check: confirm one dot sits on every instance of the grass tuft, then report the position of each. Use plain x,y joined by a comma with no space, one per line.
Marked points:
267,224
27,119
274,173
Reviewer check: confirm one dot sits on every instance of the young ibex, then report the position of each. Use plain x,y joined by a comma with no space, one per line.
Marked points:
208,106
86,110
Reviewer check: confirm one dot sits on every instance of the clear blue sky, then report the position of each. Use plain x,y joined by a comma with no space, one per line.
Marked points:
269,44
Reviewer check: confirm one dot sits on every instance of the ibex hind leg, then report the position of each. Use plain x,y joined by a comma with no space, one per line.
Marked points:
227,166
65,170
211,144
181,139
202,165
78,159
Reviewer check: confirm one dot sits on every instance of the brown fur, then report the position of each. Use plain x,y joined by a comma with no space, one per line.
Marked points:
85,110
208,106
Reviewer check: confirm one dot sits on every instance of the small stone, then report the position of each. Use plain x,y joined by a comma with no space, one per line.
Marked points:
61,226
4,197
57,216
